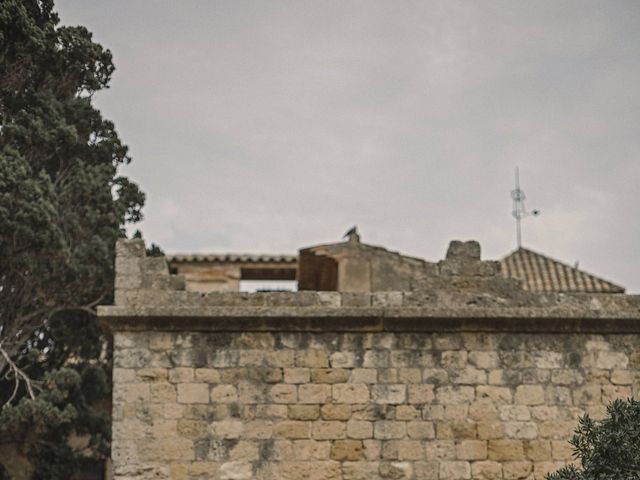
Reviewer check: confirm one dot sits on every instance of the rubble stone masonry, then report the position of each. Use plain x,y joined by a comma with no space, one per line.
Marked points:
323,386
359,406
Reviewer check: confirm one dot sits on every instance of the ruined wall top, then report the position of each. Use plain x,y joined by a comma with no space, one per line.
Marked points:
354,266
461,292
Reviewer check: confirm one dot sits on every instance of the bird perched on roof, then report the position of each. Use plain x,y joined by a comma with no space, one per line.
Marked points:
352,234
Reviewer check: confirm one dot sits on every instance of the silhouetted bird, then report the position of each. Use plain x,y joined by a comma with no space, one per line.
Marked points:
352,231
352,234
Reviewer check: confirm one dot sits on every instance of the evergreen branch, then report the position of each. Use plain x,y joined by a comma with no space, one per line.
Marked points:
18,376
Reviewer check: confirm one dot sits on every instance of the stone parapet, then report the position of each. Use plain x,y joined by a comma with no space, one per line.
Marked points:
467,376
461,286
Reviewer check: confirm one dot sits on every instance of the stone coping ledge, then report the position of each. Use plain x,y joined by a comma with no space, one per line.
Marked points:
369,319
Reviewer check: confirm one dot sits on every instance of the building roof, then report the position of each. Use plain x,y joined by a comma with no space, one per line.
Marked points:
233,258
540,273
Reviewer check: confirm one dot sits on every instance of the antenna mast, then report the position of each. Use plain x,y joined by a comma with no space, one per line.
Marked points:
519,210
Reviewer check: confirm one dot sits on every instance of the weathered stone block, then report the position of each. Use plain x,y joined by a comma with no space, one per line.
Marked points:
131,392
334,411
409,375
498,395
519,413
304,412
124,375
421,430
271,411
538,450
455,470
310,393
347,450
471,450
517,470
441,450
611,360
396,470
403,450
490,430
227,429
292,429
311,449
389,394
613,392
505,450
181,375
163,393
161,341
622,377
389,430
342,360
363,375
454,395
224,394
131,358
312,358
297,375
236,470
521,430
193,393
328,430
207,375
329,375
350,393
359,429
388,375
590,394
407,412
456,430
313,470
259,429
484,359
360,471
482,409
454,359
529,395
284,393
557,429
376,359
468,376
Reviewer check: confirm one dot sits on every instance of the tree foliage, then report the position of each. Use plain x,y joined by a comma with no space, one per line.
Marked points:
607,449
62,410
62,207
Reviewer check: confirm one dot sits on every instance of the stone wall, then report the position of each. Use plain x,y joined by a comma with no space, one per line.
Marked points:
467,378
358,405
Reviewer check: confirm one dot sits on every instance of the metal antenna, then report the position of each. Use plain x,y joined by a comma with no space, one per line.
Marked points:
519,210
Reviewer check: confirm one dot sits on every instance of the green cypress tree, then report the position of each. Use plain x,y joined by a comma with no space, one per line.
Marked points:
62,207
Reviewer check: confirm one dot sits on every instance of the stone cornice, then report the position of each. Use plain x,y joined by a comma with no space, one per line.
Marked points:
369,319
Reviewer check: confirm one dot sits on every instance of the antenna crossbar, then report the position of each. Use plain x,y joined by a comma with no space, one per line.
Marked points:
519,210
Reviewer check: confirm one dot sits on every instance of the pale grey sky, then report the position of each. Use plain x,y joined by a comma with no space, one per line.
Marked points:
269,126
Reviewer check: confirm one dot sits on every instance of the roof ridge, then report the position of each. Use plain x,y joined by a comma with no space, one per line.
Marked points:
233,257
220,254
595,279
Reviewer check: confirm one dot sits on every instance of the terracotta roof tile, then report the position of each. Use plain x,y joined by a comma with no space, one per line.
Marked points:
233,258
540,273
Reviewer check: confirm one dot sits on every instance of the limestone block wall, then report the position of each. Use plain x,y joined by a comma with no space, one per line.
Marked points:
359,405
465,376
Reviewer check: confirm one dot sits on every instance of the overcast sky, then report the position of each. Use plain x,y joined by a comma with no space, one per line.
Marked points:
269,126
